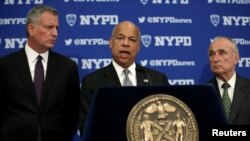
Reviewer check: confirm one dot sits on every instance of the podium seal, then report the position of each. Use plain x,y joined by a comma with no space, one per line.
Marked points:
161,117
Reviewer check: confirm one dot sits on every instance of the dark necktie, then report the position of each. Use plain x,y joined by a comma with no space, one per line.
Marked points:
39,78
126,81
226,100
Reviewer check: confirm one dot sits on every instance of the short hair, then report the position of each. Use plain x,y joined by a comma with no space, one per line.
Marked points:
35,13
136,27
235,47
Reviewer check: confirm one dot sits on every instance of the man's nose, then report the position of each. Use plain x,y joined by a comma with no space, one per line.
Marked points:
216,57
55,32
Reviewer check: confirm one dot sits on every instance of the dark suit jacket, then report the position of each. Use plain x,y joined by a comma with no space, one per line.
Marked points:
240,111
20,114
107,77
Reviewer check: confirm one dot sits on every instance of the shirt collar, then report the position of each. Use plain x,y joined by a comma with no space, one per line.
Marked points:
231,81
120,69
32,54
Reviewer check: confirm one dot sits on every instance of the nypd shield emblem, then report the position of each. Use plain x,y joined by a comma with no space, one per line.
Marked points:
146,40
144,2
215,19
71,19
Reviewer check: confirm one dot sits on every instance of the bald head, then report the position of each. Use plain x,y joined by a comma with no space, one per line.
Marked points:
128,24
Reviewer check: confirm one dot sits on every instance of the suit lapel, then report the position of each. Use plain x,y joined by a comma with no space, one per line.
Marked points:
110,76
238,98
140,78
22,67
215,84
52,69
112,79
217,90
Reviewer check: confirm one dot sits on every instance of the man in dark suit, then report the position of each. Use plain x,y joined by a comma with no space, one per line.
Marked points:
223,58
125,45
53,115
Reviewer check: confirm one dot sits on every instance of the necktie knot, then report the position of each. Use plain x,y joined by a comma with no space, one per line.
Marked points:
126,72
39,58
225,85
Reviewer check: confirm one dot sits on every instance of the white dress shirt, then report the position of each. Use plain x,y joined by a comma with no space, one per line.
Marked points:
32,59
131,75
231,82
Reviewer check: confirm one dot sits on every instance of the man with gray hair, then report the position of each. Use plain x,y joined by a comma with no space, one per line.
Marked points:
233,88
39,88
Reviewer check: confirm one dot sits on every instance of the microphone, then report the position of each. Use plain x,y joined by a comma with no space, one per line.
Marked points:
148,79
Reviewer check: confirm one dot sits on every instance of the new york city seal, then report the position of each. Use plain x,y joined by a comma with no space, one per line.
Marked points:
161,117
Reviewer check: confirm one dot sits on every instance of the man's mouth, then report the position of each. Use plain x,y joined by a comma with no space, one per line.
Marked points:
124,53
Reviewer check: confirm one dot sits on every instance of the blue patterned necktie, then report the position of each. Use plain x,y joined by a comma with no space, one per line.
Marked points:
126,81
226,100
39,78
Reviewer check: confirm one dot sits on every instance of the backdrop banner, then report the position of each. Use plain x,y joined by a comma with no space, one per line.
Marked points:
175,33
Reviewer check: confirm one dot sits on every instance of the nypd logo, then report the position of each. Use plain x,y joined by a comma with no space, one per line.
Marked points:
99,19
229,1
85,41
102,62
92,19
12,21
163,41
230,20
22,2
12,43
144,2
241,41
95,63
181,81
215,19
236,21
244,62
71,19
146,40
164,20
167,62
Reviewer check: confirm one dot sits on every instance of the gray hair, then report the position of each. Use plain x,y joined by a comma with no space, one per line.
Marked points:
235,47
34,14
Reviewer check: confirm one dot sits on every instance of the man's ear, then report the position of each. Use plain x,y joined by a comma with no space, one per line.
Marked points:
139,47
30,29
237,58
110,43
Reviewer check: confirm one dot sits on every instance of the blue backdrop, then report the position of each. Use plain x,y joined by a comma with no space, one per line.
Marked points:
175,33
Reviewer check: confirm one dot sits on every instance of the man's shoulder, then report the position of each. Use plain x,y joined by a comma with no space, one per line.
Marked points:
61,57
243,79
150,70
9,57
212,80
97,73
